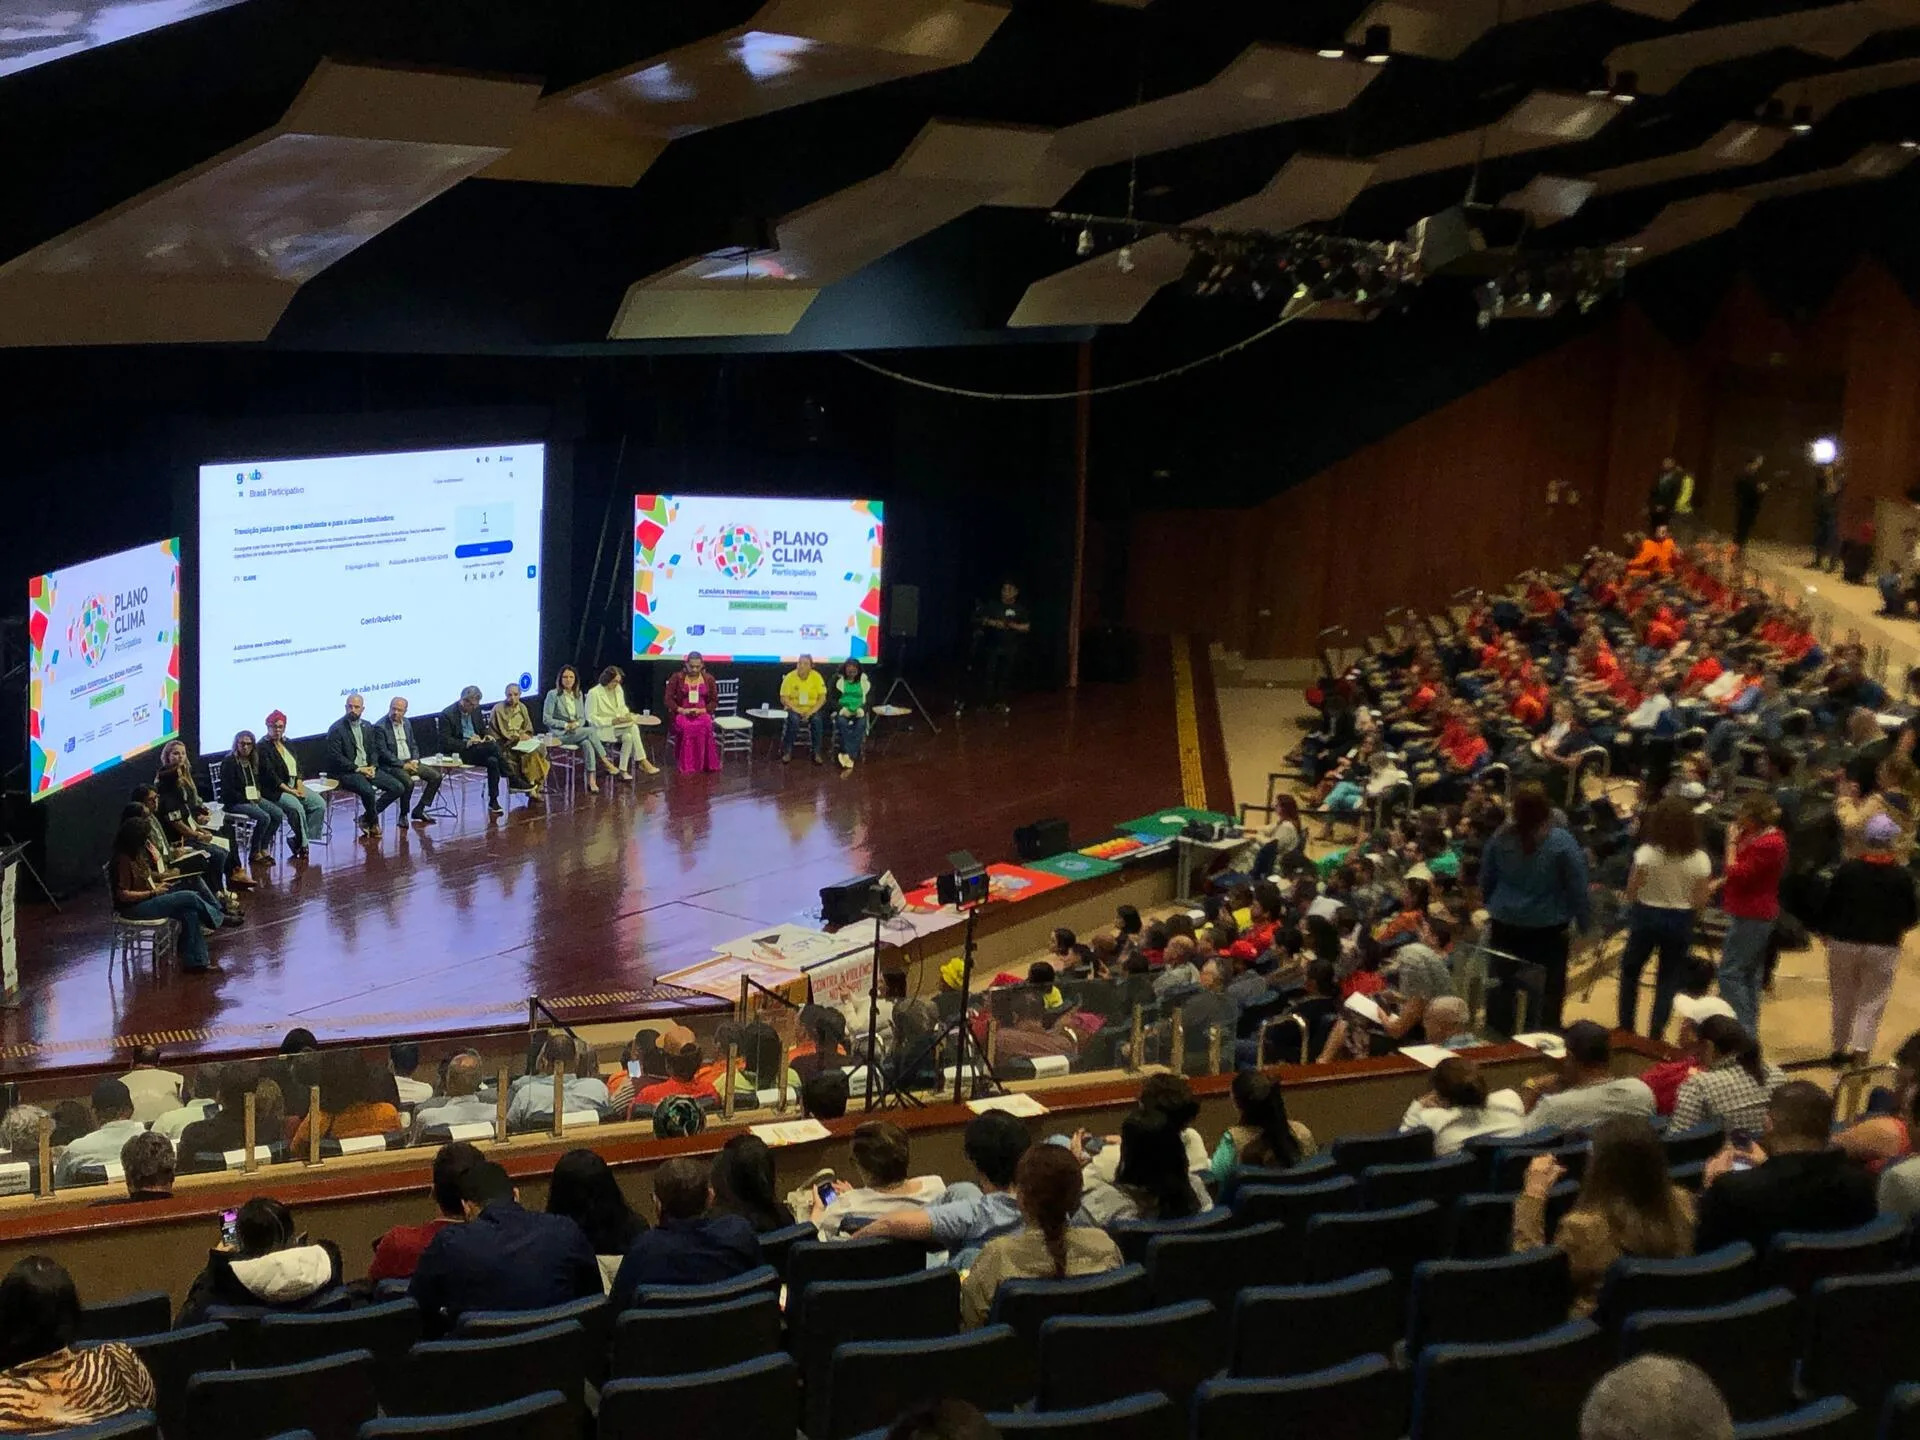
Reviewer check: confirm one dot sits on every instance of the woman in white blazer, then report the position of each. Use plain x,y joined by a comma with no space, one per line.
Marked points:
613,724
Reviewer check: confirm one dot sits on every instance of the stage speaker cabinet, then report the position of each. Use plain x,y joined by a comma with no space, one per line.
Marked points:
1856,557
903,611
1041,839
848,901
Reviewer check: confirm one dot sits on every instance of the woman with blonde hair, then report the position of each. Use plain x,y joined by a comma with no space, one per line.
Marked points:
1050,1246
1666,891
1627,1207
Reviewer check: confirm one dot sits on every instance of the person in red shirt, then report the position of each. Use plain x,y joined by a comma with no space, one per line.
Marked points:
1530,703
1666,1078
1702,673
396,1253
1663,630
1750,894
683,1078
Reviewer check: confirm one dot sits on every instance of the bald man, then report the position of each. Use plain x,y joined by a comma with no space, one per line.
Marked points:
362,765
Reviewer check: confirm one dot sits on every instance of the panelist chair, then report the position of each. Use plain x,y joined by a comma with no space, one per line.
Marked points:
731,729
129,940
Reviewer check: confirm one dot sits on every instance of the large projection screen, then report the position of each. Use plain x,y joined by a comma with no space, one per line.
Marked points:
746,579
415,574
103,682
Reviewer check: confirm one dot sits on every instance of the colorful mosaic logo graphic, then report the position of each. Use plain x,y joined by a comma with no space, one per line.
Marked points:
737,552
89,630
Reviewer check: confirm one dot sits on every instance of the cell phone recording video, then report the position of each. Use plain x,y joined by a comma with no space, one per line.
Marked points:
230,1228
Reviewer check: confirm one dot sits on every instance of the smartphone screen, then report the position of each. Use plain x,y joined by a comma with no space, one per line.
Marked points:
633,1069
229,1227
825,1191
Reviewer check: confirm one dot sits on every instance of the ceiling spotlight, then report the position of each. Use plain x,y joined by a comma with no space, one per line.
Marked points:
1802,119
1085,245
1910,144
1332,51
1824,451
1626,88
1379,45
1125,259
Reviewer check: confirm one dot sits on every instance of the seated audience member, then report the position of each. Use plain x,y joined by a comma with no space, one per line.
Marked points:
47,1384
683,1078
403,1058
1210,1007
689,1243
146,1163
1798,1181
349,1105
1449,1024
1665,1077
1263,1135
155,1090
1172,1096
1178,972
1153,1182
397,1253
1026,1036
205,1144
530,1098
822,1041
824,1096
1655,1395
20,1131
272,1266
1627,1207
969,1213
1735,1085
584,1191
71,1120
1583,1090
1049,1245
206,1093
114,1125
299,1049
881,1158
461,1104
1417,975
1880,1139
1899,1188
743,1184
504,1257
1459,1107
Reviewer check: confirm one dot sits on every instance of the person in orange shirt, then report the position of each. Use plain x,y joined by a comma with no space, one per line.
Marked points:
350,1106
1701,674
1663,630
1655,556
1529,705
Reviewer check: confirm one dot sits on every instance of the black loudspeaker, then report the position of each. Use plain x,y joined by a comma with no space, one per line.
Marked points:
1041,839
846,902
903,611
1856,558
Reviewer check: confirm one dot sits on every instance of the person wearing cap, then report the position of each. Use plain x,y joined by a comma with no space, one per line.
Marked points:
280,783
1870,906
1665,1078
1750,895
113,1113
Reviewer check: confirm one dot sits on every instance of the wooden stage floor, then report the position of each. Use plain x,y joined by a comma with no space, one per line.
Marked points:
451,928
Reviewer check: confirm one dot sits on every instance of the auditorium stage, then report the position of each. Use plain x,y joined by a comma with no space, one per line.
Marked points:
451,928
1842,607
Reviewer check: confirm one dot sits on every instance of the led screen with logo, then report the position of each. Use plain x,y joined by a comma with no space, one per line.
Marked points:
103,680
744,578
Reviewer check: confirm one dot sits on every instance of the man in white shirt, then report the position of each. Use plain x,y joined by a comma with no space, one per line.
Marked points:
206,1092
113,1110
461,1105
155,1091
403,1058
531,1096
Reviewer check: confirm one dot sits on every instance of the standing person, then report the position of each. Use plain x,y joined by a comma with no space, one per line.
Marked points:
245,791
851,687
1533,881
1003,628
140,894
280,782
463,732
403,760
564,713
803,695
1870,906
611,723
1828,489
1670,487
691,698
1756,859
1749,490
1666,890
353,750
511,725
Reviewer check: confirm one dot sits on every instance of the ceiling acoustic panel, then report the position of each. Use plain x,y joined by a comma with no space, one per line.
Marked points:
1544,118
1444,29
1265,85
949,169
36,32
1308,188
1829,32
610,129
217,253
1686,222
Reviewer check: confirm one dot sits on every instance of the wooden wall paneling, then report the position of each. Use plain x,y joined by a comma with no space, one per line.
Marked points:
1878,432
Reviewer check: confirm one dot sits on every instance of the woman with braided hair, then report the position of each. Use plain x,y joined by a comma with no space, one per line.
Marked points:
1050,1246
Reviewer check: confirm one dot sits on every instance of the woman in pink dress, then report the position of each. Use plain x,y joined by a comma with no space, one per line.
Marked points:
691,695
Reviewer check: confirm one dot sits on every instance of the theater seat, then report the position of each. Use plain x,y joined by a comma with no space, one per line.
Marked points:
1834,1418
1383,1187
1797,1259
1516,1388
810,1261
758,1400
1863,1336
1364,1399
332,1398
446,1377
1092,1359
1698,1142
593,1314
1480,1226
1298,1329
546,1416
1026,1305
762,1281
1138,1417
1308,1172
385,1331
1719,1277
1215,1267
1133,1236
173,1358
145,1312
1747,1348
876,1381
1397,1239
1355,1153
776,1244
922,1306
685,1339
1900,1416
1511,1297
1293,1207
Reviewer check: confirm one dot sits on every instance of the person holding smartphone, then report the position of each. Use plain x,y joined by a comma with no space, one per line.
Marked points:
881,1159
140,893
263,1261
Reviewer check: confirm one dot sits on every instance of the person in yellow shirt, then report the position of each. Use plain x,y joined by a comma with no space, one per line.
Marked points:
803,695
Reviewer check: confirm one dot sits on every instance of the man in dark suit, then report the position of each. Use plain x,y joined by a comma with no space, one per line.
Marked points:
502,1258
1797,1179
463,732
355,756
402,759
